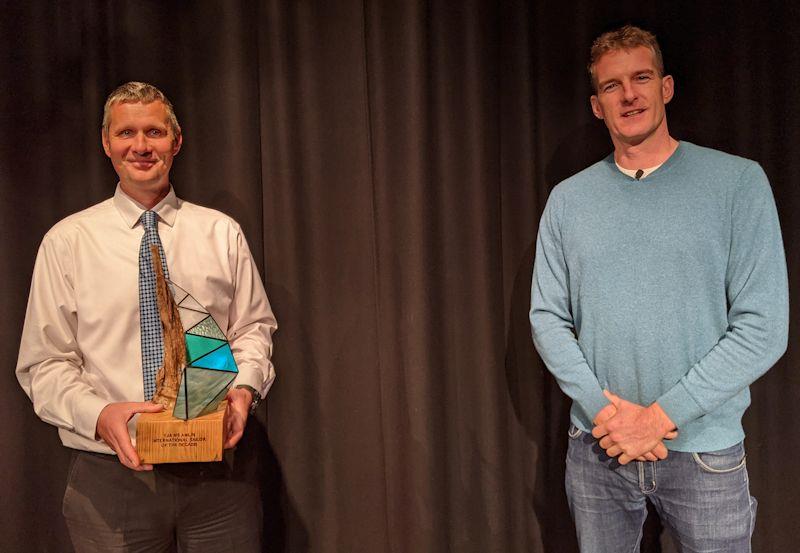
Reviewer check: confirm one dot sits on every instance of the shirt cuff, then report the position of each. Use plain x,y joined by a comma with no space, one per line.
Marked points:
87,414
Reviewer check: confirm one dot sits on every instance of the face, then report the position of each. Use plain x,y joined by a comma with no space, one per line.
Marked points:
141,146
631,96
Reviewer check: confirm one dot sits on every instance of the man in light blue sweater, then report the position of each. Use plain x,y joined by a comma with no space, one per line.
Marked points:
659,294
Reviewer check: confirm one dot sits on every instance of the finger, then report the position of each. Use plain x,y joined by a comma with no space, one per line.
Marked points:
671,435
123,446
606,442
660,451
624,459
232,440
613,451
613,398
145,407
599,431
649,456
233,433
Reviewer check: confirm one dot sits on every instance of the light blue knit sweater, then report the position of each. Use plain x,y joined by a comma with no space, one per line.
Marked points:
669,289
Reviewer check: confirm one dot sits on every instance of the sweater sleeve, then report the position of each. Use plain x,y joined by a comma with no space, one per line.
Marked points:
758,307
552,324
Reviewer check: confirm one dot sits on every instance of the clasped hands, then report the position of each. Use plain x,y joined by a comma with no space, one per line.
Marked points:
631,432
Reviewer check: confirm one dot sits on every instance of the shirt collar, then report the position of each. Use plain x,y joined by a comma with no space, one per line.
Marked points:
130,210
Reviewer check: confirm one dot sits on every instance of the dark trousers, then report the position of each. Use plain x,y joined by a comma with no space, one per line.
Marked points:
190,508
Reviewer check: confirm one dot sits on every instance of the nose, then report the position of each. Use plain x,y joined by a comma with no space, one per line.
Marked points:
628,92
140,144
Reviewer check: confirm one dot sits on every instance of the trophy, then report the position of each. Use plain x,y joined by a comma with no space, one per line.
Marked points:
197,373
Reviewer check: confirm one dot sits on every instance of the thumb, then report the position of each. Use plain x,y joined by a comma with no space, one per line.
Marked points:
613,398
146,407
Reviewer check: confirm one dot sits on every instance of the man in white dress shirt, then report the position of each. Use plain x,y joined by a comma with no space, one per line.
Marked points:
81,357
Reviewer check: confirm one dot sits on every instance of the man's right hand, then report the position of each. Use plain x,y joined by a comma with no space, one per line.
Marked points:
112,428
658,453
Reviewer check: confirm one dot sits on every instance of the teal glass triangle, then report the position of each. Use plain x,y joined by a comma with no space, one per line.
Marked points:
198,346
221,359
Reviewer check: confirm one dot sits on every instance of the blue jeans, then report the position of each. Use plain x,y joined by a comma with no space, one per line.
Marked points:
702,498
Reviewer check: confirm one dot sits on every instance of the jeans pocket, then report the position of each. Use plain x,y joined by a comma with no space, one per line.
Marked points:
574,432
722,461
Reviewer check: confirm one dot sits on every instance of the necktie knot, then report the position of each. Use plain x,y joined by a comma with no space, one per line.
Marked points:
148,219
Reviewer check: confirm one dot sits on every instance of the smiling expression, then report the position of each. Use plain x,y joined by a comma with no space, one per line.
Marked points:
141,146
631,95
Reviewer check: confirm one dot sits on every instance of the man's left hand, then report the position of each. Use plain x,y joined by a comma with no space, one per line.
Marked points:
239,400
634,430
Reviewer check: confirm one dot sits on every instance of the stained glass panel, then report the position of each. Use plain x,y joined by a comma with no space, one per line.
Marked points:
198,346
207,327
190,303
212,367
220,359
190,318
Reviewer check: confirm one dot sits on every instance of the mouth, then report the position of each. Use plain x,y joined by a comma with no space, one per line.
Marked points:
142,164
633,112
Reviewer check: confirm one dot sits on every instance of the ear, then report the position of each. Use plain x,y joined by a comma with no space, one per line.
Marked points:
106,144
176,146
667,88
596,108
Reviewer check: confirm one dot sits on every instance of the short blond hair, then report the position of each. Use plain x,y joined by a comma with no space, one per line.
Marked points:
135,92
624,38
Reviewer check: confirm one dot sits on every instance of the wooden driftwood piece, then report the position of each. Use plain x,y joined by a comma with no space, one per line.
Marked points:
169,375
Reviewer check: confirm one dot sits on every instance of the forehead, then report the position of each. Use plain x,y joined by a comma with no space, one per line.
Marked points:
624,61
132,113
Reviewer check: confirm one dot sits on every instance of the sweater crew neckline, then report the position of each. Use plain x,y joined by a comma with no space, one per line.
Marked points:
663,169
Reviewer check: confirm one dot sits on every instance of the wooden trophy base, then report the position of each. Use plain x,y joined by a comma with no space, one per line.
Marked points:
161,438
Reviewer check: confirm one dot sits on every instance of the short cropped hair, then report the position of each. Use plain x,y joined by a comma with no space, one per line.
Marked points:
624,38
134,92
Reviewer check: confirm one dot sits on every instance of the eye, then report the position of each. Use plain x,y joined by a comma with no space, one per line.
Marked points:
125,133
609,87
155,133
643,78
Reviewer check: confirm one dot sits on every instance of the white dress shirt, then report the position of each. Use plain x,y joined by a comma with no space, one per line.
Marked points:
81,343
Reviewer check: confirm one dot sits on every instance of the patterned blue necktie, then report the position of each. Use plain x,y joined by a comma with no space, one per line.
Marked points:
152,339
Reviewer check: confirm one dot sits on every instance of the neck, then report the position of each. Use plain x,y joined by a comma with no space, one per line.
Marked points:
652,151
148,197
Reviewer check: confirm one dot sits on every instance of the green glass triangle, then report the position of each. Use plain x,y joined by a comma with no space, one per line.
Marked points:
180,410
204,386
220,359
207,327
198,346
214,403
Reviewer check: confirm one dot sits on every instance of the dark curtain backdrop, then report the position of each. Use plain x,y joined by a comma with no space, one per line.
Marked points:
388,162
